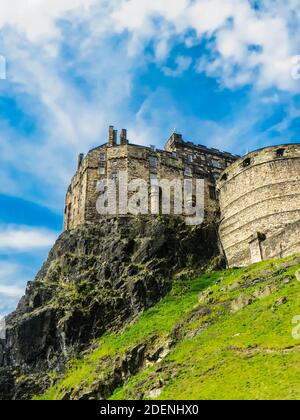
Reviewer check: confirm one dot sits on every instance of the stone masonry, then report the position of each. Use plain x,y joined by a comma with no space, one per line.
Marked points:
179,160
260,205
255,199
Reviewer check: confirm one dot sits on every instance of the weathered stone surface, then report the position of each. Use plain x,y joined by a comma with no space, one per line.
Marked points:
264,291
260,206
205,296
241,302
7,384
281,301
96,278
245,300
154,393
179,160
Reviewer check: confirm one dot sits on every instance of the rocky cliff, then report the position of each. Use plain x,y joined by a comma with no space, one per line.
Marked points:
97,278
230,334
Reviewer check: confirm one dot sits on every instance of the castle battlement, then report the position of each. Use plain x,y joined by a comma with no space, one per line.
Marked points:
178,160
258,195
260,205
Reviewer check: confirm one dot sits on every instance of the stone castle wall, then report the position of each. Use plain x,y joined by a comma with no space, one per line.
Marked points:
258,195
179,160
260,203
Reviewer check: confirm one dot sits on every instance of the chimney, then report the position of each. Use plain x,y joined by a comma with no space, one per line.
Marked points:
174,141
80,159
123,137
176,137
112,136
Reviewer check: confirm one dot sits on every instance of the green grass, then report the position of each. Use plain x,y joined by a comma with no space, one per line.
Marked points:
249,354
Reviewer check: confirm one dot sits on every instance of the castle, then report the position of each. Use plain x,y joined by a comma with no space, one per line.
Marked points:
255,199
260,205
179,160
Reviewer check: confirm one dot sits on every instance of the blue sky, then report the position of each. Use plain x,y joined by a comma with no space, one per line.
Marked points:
219,71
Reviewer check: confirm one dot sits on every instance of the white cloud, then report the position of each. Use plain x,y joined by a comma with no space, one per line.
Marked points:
11,291
134,15
182,65
52,47
233,26
24,239
22,247
37,18
270,99
42,78
10,276
71,122
12,286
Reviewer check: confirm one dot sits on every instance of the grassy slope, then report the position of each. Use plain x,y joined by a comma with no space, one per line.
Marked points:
219,354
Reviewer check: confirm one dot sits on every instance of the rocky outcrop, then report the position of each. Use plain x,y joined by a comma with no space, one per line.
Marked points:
96,278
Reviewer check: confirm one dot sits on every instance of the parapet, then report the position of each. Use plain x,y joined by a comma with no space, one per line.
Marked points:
179,160
259,197
259,157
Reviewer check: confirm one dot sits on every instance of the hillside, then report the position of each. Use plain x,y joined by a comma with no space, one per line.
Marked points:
223,335
97,279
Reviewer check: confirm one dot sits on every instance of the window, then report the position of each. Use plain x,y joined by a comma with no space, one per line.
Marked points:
188,171
216,163
115,178
102,169
280,153
190,159
153,162
212,193
102,157
247,162
174,154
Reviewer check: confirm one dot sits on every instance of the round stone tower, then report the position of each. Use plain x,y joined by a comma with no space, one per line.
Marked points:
260,205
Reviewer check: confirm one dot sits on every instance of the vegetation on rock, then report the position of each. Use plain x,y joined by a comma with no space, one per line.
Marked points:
222,335
97,279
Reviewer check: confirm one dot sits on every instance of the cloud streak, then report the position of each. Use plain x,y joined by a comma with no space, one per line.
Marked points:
11,285
25,239
74,64
248,45
74,67
11,291
37,19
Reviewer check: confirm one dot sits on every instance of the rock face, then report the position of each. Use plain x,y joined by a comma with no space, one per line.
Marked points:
96,278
